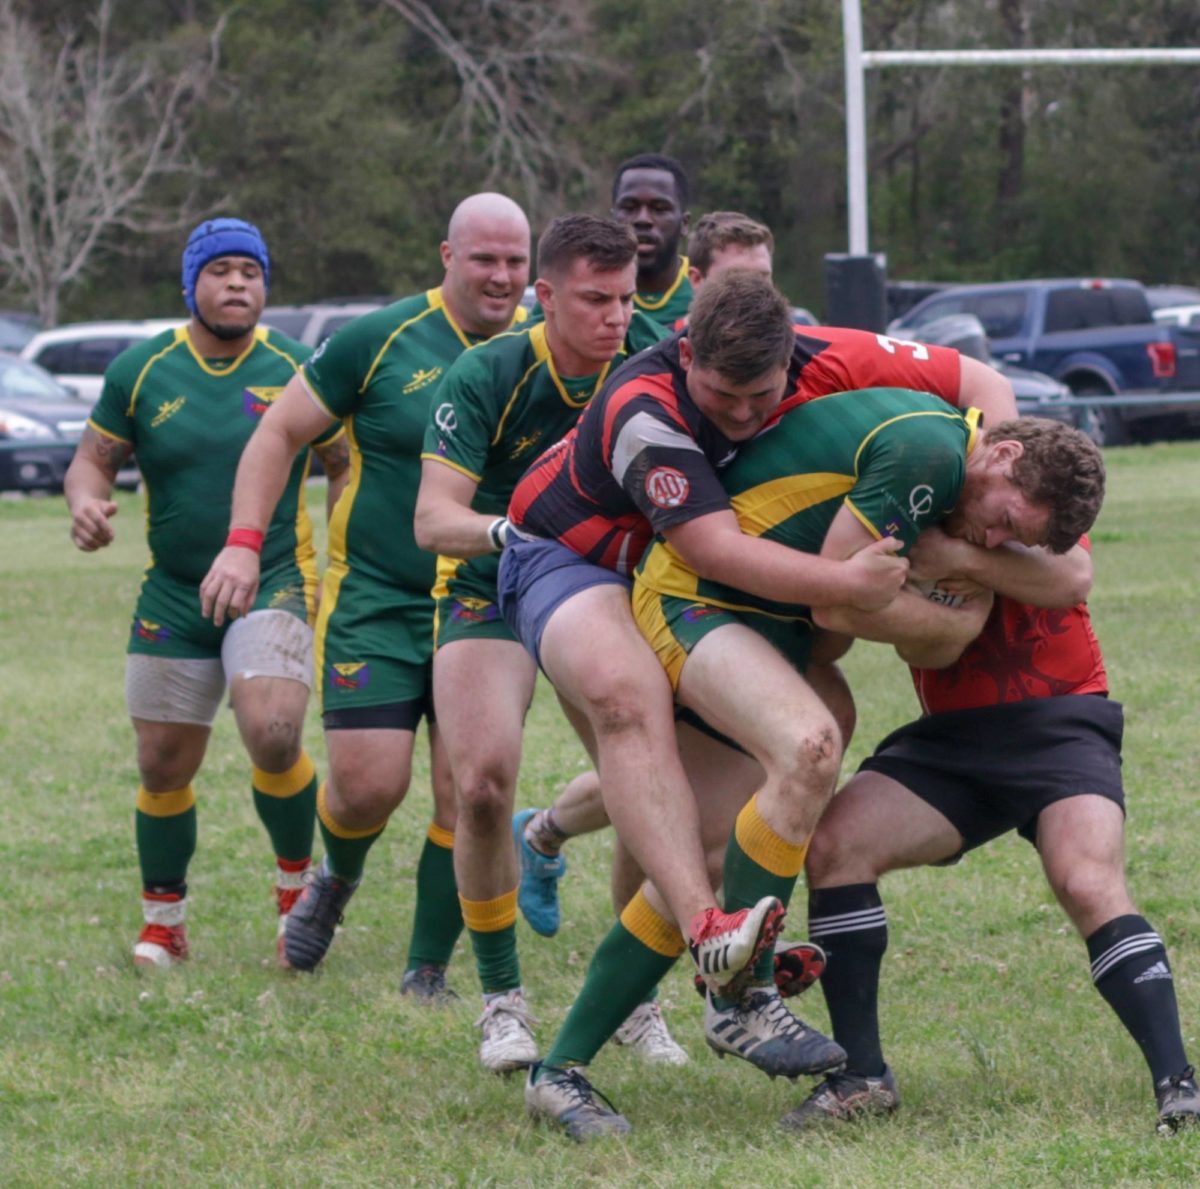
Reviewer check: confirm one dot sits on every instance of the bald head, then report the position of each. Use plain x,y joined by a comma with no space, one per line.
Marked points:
485,209
486,255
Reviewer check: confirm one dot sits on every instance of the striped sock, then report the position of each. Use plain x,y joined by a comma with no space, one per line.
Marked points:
851,926
1131,971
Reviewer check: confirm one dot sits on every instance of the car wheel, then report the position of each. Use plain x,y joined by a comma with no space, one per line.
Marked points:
1102,423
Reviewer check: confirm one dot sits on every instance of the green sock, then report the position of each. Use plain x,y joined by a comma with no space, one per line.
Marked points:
746,883
437,919
621,972
346,850
165,828
286,803
496,958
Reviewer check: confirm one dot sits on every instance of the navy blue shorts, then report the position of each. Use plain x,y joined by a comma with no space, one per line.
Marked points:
995,768
536,577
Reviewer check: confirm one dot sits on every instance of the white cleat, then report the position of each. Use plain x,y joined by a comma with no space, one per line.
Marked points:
508,1041
646,1033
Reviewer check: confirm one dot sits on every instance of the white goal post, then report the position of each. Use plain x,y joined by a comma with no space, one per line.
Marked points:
859,61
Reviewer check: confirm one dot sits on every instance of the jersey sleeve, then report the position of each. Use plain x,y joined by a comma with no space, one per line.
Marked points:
910,477
660,465
112,413
860,359
464,421
339,369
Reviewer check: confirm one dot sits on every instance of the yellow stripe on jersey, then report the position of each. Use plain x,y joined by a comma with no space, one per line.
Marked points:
950,415
434,297
761,508
648,615
449,462
645,303
447,567
180,339
862,519
108,433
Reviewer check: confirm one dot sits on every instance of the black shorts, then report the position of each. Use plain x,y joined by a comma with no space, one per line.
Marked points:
996,768
392,716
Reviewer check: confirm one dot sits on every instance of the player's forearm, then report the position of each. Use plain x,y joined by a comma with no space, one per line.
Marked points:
927,634
1034,576
85,480
765,569
452,530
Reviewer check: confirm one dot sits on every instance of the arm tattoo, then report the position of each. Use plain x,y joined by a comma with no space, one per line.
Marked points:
109,454
335,456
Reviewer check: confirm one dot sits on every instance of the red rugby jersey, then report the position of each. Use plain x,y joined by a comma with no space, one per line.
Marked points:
1023,652
642,458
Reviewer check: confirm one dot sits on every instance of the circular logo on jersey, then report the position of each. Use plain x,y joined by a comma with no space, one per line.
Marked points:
920,501
445,418
667,487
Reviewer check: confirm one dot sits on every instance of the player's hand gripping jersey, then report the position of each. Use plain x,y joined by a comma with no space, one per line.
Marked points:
642,458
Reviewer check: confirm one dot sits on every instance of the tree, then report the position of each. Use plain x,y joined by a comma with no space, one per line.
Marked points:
87,137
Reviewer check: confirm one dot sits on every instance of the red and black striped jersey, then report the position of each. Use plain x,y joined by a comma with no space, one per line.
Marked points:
642,458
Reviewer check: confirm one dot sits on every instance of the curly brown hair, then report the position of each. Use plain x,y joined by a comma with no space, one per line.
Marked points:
1061,469
740,325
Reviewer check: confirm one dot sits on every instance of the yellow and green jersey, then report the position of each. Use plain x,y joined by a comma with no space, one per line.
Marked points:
669,309
502,404
895,458
188,419
380,375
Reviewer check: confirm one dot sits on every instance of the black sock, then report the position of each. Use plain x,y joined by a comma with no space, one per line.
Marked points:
851,926
1130,969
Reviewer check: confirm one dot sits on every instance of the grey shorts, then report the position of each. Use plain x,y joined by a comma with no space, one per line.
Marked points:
188,690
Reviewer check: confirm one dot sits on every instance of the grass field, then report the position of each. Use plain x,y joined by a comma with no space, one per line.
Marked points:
229,1072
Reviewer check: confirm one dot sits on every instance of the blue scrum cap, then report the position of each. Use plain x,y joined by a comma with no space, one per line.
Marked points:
221,237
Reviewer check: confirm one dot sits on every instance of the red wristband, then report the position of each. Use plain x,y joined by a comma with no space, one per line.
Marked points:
245,538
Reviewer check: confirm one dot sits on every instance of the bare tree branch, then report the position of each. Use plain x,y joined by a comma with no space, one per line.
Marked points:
85,135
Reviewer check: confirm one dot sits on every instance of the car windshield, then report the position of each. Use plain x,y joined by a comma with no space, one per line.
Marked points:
18,378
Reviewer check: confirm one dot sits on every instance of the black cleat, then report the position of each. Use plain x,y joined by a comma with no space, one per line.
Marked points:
314,918
842,1097
1178,1101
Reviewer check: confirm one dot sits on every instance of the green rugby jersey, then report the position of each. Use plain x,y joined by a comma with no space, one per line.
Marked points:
896,458
504,403
188,419
380,375
669,308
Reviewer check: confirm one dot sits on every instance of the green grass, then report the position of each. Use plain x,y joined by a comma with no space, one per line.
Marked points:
1012,1069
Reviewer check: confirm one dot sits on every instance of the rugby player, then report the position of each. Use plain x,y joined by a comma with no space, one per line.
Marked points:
1019,734
381,374
650,193
828,478
500,405
188,401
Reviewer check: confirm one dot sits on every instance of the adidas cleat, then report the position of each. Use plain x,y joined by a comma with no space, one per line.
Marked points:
843,1097
1178,1102
761,1030
725,945
314,918
566,1097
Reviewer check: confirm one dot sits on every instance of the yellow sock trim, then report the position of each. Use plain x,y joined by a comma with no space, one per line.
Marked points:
440,837
170,804
653,931
286,784
335,827
490,916
764,846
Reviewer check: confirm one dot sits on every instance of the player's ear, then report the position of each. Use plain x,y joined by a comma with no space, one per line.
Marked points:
447,254
686,355
544,291
694,275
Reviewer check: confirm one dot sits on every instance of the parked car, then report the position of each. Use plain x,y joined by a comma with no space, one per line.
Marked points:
16,329
313,324
40,423
79,353
1097,336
